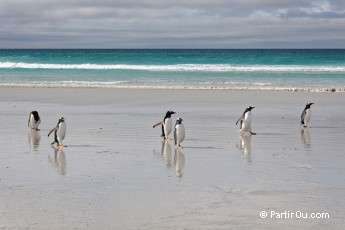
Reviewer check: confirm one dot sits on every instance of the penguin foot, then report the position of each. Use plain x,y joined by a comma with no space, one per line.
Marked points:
252,133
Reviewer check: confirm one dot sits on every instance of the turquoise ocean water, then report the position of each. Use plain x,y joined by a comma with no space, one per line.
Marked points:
311,70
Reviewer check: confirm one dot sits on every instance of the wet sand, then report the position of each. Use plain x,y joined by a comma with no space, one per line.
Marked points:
116,173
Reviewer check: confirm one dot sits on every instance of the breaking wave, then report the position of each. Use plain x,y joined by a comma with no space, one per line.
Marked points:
177,67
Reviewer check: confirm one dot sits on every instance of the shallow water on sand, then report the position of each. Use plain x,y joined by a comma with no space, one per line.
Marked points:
115,171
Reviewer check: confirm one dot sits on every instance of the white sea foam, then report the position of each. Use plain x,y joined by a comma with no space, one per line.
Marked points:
178,67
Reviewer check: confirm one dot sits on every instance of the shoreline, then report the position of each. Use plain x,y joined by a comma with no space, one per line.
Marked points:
211,88
163,97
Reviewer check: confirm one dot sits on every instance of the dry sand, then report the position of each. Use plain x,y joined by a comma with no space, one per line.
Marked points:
116,173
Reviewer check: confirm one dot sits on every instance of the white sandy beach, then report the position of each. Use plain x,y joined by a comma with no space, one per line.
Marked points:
116,173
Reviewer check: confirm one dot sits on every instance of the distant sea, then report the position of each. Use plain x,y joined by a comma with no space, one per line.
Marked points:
272,69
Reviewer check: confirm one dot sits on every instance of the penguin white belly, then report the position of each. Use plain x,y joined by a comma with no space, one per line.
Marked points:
32,121
167,126
307,116
33,124
61,132
180,134
247,123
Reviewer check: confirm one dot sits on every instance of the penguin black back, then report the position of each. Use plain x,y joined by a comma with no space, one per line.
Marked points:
36,116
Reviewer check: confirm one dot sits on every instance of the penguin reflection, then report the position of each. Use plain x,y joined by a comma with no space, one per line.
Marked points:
179,162
246,146
305,135
167,153
34,139
59,161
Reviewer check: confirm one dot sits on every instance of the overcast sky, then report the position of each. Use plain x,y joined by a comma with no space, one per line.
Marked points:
172,24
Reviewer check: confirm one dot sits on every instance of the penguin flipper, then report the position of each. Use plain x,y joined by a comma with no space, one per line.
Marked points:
175,136
239,119
303,116
54,129
163,133
159,123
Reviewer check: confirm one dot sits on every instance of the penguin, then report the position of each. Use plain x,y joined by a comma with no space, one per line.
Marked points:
166,124
59,132
246,121
179,132
306,114
34,120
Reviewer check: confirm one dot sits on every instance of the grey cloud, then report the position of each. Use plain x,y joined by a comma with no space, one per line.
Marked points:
170,24
316,9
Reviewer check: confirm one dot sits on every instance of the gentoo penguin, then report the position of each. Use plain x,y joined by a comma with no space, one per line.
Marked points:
246,121
34,120
59,132
179,132
166,124
306,114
